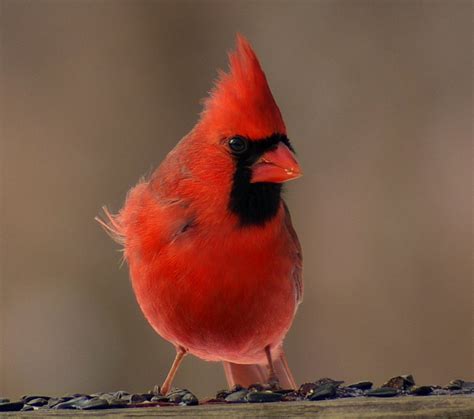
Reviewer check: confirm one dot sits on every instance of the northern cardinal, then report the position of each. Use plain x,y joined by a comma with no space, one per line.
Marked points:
214,260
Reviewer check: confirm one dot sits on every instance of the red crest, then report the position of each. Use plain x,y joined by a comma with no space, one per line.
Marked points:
241,101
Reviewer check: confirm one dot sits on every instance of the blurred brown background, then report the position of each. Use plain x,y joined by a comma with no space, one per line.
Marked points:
377,97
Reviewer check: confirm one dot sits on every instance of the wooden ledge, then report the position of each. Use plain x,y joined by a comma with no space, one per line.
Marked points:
409,406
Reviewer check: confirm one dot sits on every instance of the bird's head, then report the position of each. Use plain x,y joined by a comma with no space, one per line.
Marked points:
242,140
241,117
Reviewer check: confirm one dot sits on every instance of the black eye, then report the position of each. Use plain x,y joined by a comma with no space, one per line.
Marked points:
238,145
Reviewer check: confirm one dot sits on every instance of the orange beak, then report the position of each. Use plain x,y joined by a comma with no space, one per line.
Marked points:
276,166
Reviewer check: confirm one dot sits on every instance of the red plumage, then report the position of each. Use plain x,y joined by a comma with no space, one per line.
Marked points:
241,101
207,283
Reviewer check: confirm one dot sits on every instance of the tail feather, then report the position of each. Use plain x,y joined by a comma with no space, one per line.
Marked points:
245,375
111,225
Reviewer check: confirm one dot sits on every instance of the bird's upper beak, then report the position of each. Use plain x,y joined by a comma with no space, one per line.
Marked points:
276,166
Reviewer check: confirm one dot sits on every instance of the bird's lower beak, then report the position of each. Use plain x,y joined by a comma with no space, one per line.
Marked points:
276,166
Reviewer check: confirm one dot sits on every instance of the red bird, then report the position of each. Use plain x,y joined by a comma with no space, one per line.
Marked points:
214,260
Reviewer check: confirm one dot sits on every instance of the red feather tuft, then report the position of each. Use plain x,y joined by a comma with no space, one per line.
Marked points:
241,101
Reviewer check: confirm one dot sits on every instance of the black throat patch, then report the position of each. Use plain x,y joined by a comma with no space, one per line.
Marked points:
255,203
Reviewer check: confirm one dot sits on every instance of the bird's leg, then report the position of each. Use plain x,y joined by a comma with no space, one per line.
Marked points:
180,353
272,377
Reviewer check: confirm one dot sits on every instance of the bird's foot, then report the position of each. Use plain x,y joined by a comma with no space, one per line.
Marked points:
273,382
158,391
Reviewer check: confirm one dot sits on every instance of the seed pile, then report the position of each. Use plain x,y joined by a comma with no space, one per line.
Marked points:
322,389
327,388
112,400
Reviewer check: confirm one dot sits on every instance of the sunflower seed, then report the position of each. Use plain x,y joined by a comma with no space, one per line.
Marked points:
11,406
263,397
361,385
421,390
382,392
324,391
400,382
237,396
